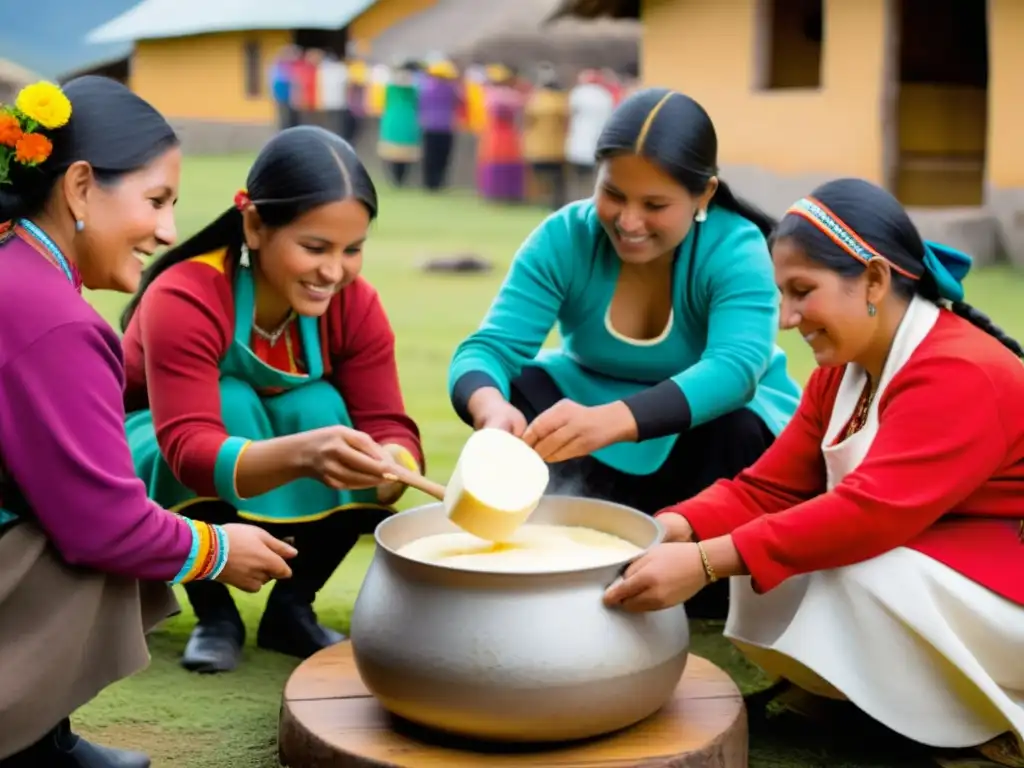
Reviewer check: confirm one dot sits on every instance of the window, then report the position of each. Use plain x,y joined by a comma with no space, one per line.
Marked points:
790,34
253,69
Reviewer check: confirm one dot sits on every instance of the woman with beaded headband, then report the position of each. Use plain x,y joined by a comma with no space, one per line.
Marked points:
876,549
668,377
262,383
88,178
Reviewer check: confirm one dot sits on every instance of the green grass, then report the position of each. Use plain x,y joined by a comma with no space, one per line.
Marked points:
188,721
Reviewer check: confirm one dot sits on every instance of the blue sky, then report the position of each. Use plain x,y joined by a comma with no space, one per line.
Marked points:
50,39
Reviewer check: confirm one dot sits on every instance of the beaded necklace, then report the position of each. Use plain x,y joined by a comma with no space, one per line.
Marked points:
272,337
52,252
860,411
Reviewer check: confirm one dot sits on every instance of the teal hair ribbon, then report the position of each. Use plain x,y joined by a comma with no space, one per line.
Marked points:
948,267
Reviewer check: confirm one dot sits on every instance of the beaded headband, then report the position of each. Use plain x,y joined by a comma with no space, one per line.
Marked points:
840,233
947,266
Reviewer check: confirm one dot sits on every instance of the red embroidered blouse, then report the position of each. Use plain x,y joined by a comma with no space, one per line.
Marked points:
179,335
944,475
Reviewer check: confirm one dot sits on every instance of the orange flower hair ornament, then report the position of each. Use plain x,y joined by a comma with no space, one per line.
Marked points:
38,107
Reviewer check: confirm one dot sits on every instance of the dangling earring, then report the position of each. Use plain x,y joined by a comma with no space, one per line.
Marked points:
871,309
79,225
701,215
243,258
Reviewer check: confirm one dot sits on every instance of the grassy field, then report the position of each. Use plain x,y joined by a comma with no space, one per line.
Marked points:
187,721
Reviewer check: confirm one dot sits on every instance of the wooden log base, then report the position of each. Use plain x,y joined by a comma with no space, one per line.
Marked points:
328,718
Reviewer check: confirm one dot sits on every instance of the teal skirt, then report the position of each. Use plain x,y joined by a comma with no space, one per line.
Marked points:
248,415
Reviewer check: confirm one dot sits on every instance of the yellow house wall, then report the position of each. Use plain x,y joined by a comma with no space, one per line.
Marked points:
203,77
707,50
1005,167
382,16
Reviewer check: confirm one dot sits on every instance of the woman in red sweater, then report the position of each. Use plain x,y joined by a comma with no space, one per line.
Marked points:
876,548
262,383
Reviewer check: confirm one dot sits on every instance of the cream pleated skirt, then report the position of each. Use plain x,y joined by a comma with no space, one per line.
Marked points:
925,651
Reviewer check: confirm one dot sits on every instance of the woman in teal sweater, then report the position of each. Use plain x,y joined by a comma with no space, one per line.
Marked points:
668,377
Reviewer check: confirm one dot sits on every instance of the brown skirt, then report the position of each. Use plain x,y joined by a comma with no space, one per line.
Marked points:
66,633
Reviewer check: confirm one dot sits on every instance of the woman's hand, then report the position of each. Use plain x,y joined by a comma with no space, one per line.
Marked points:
490,410
568,430
665,576
391,491
254,557
344,458
677,528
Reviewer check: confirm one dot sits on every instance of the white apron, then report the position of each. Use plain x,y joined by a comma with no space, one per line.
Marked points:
930,654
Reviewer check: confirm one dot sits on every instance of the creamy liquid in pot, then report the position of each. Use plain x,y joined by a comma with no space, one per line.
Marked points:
533,548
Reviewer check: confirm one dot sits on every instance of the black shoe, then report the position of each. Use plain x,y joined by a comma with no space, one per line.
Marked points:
61,748
214,646
289,626
85,754
216,643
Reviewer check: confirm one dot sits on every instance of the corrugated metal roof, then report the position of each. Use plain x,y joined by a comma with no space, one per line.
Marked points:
152,19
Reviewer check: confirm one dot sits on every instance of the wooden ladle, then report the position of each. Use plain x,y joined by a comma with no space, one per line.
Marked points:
398,473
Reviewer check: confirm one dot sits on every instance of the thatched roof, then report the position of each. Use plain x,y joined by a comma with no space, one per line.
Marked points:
513,33
594,9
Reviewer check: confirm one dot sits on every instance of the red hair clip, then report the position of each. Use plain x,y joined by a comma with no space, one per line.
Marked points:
242,200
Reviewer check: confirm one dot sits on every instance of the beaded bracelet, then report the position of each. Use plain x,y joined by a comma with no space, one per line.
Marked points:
208,554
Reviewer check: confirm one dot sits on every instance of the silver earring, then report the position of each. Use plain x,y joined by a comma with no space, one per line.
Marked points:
79,225
702,215
244,258
871,309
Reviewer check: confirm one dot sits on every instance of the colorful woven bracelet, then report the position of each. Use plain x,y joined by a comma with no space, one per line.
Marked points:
186,572
205,556
221,538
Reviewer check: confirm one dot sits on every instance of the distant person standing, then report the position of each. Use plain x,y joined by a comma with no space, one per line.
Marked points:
590,106
304,96
440,98
332,87
545,127
354,113
380,76
399,145
501,171
282,74
611,80
474,84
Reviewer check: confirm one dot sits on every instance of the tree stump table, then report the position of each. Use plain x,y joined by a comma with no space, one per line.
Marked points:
329,718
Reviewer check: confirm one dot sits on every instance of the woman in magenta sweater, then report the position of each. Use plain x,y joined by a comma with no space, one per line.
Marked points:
88,178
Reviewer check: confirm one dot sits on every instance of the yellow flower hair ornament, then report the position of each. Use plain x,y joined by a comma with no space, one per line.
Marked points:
38,106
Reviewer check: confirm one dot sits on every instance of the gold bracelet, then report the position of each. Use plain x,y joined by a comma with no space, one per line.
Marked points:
708,570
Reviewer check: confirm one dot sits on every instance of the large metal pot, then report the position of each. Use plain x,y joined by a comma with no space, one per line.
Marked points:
513,656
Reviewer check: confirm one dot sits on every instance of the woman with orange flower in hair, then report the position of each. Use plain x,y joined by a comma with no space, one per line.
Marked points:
262,384
88,177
